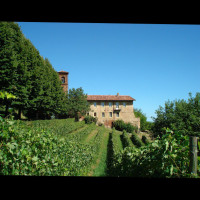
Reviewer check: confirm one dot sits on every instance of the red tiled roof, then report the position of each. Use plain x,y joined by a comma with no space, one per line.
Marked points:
109,98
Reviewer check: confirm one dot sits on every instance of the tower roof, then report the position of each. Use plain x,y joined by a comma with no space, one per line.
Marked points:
63,72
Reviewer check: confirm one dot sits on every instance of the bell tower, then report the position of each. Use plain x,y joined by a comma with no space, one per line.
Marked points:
63,75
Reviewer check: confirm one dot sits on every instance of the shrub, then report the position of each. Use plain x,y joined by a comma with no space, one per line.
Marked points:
89,119
136,140
130,128
126,141
120,125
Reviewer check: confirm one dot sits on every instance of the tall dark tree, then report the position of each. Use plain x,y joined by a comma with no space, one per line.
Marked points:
25,74
22,78
57,97
13,70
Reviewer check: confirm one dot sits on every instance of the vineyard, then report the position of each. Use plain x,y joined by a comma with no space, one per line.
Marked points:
62,147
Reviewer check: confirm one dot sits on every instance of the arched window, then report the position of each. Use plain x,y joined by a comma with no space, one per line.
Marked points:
63,79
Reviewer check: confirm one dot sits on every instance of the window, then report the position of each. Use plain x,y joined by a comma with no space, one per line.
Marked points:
117,104
117,114
63,79
95,104
110,104
110,114
102,104
124,104
95,114
103,114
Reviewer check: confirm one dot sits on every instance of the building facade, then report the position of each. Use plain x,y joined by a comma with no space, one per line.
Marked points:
63,75
108,108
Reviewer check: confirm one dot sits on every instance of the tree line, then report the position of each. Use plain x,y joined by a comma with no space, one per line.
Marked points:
31,78
179,115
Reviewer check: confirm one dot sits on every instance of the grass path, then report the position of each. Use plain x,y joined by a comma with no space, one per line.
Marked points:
91,135
99,167
117,135
74,132
78,130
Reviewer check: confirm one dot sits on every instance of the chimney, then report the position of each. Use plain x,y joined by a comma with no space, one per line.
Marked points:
117,94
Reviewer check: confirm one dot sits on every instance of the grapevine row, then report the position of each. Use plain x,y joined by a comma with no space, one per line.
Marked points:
164,157
35,150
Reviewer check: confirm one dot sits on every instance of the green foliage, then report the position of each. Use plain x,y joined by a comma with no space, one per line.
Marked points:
6,95
126,141
81,135
58,148
143,119
130,128
31,148
25,74
77,103
136,140
59,127
6,99
89,119
180,115
26,153
120,125
113,154
144,124
165,157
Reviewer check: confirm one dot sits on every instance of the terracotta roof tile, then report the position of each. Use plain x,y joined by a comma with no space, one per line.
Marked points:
109,98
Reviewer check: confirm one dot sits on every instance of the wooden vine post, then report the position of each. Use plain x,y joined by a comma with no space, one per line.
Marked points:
193,155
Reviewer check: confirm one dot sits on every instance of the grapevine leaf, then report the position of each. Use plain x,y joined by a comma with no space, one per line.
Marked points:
35,158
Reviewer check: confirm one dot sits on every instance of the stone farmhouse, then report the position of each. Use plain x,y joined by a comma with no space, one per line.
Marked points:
107,108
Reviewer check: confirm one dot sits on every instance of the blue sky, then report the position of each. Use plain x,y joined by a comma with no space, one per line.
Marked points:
152,63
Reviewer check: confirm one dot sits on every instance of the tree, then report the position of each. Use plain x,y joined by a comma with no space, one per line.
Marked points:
144,125
10,37
179,115
77,103
24,73
58,98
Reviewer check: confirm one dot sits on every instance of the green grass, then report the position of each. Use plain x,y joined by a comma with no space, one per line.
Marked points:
117,139
100,169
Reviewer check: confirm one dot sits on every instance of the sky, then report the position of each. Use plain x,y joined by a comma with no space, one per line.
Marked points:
152,63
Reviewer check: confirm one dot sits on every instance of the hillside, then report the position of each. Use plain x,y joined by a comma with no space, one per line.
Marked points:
63,147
